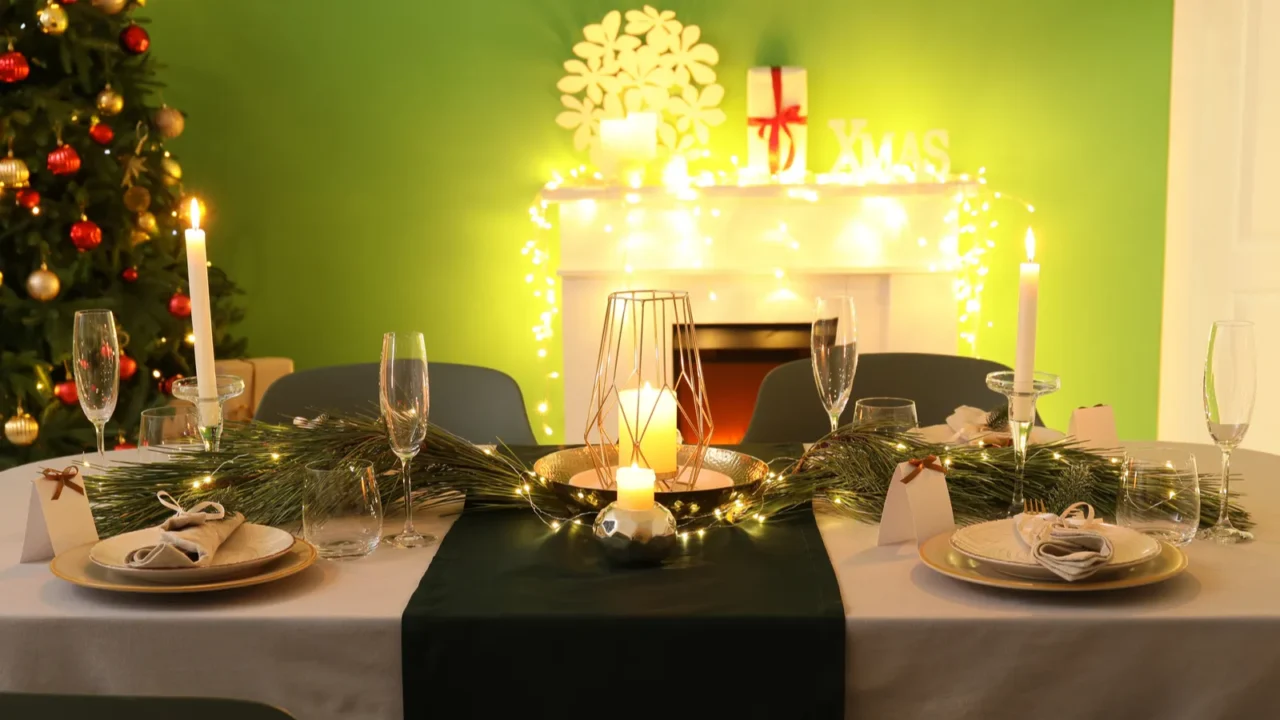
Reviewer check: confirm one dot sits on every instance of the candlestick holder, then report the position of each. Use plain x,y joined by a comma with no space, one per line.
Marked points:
1022,416
188,389
636,538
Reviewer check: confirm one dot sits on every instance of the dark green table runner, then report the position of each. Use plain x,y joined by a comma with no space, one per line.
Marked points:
514,621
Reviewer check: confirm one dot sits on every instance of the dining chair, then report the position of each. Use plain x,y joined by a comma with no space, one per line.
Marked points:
478,404
22,706
788,408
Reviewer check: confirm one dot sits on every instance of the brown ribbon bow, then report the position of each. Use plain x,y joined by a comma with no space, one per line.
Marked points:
64,478
930,462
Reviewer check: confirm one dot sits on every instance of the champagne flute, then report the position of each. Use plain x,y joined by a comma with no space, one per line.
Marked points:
95,358
1230,376
405,400
834,345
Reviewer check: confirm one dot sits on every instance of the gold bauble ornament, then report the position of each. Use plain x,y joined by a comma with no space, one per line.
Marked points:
14,172
43,284
169,122
110,102
172,171
110,7
53,19
21,429
1,279
137,237
147,222
137,199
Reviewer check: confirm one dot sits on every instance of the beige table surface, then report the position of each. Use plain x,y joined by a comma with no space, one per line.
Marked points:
326,643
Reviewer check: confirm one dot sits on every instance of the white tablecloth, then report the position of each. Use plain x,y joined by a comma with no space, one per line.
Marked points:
326,644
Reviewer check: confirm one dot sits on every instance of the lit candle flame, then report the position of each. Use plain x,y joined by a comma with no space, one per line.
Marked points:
1031,246
195,214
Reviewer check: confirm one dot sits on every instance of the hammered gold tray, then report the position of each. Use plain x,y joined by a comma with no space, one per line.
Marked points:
938,555
745,471
74,566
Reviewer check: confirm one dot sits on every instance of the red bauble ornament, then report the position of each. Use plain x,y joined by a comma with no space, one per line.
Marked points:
28,198
134,39
166,385
123,445
86,235
13,66
129,275
180,305
66,392
102,133
64,160
128,367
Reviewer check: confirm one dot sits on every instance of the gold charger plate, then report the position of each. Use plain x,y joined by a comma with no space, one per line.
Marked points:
938,555
74,566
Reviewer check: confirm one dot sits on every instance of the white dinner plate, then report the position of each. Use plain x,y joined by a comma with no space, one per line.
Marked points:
942,434
996,544
249,548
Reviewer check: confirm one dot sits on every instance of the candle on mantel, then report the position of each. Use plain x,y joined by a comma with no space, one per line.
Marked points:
635,488
628,143
201,320
650,415
1024,366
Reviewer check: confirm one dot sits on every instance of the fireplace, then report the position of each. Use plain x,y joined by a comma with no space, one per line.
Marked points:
735,357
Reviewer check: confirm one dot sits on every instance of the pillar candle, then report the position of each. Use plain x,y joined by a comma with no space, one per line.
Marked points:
635,488
202,320
1025,363
648,416
627,144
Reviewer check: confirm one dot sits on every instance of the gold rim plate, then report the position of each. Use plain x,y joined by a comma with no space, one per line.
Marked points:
74,566
938,555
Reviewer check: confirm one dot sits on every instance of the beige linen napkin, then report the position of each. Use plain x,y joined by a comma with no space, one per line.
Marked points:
1070,545
189,538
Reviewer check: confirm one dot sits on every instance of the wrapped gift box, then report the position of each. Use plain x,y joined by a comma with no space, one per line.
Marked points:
258,374
777,114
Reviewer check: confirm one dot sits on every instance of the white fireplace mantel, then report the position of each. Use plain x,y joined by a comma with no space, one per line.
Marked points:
760,254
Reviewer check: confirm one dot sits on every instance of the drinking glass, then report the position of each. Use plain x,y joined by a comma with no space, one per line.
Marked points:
405,400
1230,376
341,510
95,358
888,414
834,345
165,430
1160,498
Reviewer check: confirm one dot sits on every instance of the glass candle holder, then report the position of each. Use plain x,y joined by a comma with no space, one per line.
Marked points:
1020,429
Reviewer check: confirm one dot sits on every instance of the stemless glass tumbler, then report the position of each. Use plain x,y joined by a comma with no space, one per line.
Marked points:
341,510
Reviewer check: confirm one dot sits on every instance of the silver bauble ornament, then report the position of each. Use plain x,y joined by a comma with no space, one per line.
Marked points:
147,222
43,284
172,171
14,172
110,7
21,429
53,19
169,122
110,102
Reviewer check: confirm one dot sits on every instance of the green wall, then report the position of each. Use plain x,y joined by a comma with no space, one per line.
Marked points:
370,166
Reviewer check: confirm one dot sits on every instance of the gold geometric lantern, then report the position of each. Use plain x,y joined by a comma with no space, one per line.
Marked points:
648,383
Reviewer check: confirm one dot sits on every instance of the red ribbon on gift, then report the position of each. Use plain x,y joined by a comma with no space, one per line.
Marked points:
781,122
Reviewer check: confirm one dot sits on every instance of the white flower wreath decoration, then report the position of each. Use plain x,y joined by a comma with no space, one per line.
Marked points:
653,64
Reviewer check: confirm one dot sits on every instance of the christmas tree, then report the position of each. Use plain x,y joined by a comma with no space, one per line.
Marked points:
91,216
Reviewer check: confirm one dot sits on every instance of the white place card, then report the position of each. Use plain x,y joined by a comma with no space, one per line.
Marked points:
917,508
57,525
1095,427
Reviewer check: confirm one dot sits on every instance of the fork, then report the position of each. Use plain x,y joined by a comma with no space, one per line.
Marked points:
1035,507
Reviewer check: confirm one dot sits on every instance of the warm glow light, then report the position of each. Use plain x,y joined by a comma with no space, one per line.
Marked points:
195,214
1031,246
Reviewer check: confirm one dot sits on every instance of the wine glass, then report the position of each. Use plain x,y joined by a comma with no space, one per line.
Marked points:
405,400
95,358
834,344
1230,376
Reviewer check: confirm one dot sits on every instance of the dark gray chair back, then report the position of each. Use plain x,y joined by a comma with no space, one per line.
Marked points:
16,706
788,408
478,404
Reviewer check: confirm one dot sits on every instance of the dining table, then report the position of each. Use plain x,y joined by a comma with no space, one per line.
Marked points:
325,644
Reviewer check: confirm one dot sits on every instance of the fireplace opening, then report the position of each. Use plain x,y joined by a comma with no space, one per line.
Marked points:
735,358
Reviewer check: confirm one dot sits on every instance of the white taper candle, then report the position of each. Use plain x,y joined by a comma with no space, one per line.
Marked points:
1024,366
202,320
